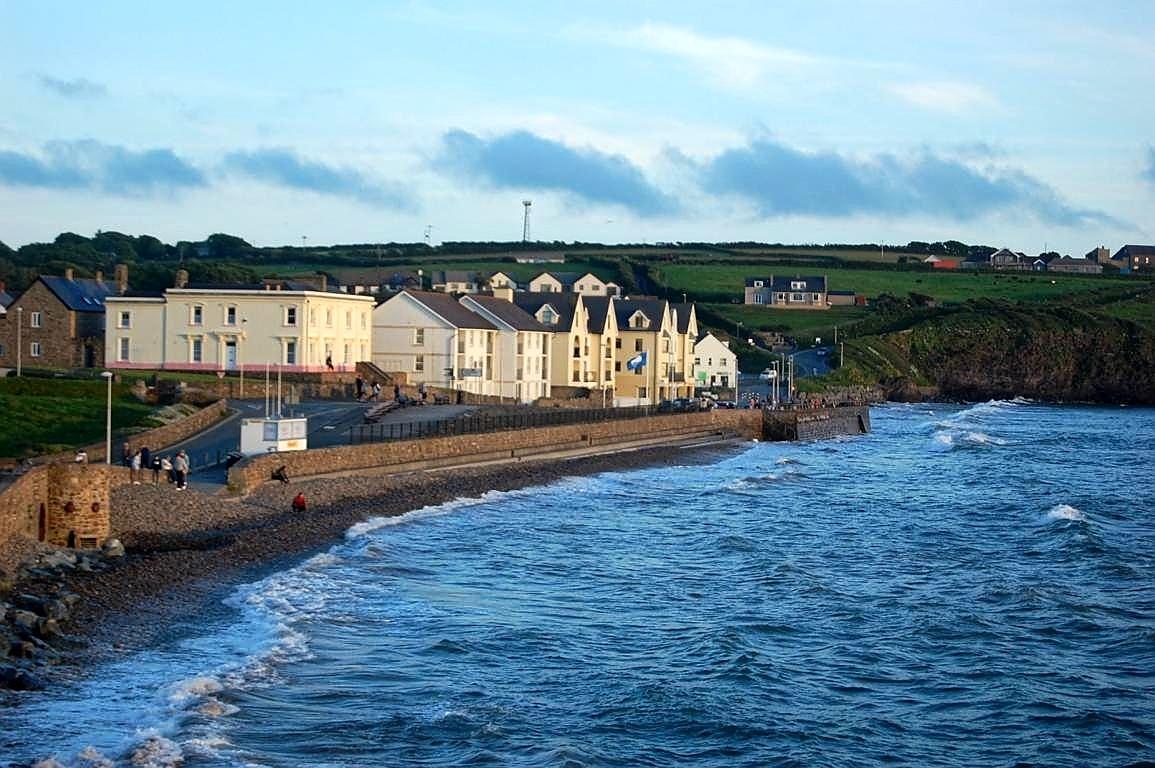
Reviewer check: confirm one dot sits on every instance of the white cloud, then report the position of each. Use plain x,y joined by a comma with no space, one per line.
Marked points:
732,62
945,96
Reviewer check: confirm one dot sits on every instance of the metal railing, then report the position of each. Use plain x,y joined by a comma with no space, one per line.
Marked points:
494,422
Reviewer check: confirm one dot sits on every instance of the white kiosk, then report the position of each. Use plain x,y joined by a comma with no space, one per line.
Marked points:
273,434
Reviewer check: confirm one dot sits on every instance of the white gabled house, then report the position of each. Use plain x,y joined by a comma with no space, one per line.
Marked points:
714,364
523,348
435,340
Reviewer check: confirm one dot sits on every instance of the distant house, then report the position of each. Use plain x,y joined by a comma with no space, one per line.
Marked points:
714,364
1137,257
1007,260
455,281
554,282
1075,266
799,292
500,280
540,257
941,262
59,322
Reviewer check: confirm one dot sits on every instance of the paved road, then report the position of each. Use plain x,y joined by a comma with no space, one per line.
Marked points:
328,425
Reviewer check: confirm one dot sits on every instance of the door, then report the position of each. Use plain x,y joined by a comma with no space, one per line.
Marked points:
230,355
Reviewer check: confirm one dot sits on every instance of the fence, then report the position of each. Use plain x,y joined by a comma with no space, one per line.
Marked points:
494,422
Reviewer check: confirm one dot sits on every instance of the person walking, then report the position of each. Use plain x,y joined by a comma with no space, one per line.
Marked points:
359,386
145,458
155,466
166,467
180,469
134,468
376,391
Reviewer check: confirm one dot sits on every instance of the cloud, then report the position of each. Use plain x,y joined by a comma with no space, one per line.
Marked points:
89,164
951,97
80,88
730,61
283,168
522,160
782,181
1149,172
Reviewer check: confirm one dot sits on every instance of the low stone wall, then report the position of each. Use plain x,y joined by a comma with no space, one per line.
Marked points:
429,452
816,423
49,502
181,429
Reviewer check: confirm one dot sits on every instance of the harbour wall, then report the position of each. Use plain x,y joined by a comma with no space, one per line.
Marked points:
816,423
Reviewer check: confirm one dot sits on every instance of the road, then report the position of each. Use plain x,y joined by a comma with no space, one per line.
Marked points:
807,362
328,425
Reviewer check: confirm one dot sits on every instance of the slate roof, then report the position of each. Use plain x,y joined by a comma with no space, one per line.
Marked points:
563,303
651,308
510,313
1135,250
79,295
441,277
567,279
684,311
6,299
448,307
765,281
813,284
598,307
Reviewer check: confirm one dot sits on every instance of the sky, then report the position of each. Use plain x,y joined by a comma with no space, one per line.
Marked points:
1029,125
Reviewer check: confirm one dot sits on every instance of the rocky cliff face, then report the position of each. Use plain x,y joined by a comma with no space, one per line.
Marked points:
1052,354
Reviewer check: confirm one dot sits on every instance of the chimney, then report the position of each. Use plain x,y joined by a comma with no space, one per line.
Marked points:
324,282
99,276
181,278
121,279
68,273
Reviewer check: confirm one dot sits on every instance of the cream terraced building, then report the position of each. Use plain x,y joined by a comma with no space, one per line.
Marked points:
212,328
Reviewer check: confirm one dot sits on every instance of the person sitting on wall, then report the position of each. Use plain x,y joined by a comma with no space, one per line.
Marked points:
279,474
299,503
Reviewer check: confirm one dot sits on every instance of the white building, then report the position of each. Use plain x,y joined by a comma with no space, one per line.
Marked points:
522,361
714,363
206,328
435,340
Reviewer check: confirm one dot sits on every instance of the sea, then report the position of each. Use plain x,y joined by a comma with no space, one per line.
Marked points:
969,585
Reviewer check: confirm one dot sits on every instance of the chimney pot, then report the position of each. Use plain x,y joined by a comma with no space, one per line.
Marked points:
121,279
181,278
99,276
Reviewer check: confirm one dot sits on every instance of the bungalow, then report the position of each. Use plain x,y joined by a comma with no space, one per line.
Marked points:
788,292
1075,266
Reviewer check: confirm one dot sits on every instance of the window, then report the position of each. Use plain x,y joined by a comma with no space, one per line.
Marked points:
419,338
290,353
796,297
548,316
348,319
617,343
759,298
697,361
1,350
124,320
419,363
122,353
34,349
197,315
637,345
797,285
641,391
758,283
290,316
460,343
328,318
346,359
35,321
230,315
197,350
363,321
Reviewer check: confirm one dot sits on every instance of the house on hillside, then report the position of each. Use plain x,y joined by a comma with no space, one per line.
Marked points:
433,339
554,282
59,322
238,327
1007,260
540,257
455,281
500,280
1138,258
714,364
798,292
523,345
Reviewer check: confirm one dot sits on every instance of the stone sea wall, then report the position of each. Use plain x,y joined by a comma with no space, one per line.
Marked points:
816,423
438,452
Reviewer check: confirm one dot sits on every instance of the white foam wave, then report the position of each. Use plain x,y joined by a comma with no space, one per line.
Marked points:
156,751
437,510
1066,512
942,441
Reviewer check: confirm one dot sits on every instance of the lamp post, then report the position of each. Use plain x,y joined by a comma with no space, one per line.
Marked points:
107,376
19,340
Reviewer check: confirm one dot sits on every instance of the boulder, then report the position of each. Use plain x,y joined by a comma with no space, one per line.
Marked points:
19,680
22,620
113,548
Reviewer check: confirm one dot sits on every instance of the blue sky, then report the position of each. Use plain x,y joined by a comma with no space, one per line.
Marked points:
1026,124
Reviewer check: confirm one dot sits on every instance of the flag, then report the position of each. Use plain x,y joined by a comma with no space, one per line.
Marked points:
637,362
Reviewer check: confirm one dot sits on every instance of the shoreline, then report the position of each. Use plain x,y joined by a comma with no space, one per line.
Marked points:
186,551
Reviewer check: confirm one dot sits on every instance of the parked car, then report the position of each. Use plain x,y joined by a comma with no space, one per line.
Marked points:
767,374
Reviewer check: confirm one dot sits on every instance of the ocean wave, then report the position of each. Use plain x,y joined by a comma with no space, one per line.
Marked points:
951,439
1066,512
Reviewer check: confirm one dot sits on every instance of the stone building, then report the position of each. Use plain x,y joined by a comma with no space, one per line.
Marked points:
59,322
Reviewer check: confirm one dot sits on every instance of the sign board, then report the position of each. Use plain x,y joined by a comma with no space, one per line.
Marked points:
471,373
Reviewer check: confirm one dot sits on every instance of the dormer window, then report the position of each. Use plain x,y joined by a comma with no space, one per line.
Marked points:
797,285
758,283
548,316
639,320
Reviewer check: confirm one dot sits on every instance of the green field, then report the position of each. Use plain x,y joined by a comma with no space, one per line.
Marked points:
946,287
802,325
52,415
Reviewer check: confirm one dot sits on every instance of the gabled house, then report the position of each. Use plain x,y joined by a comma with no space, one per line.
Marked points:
603,333
1009,261
571,346
686,326
799,292
714,364
554,282
59,322
500,280
432,338
590,284
523,347
455,281
646,350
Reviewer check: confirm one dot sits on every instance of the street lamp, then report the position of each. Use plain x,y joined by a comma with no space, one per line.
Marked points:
19,340
107,376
